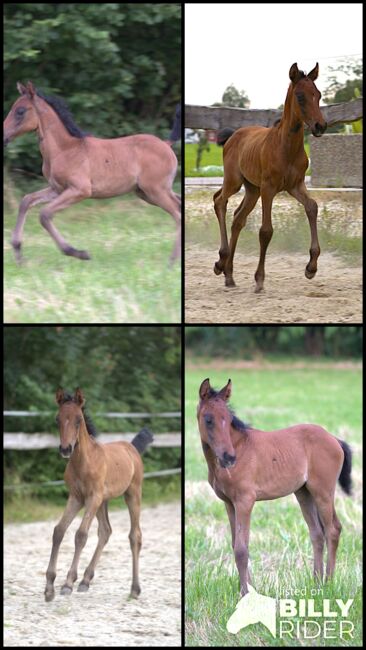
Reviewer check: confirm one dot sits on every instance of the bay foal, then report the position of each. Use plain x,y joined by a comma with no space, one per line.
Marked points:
94,474
268,161
78,166
246,465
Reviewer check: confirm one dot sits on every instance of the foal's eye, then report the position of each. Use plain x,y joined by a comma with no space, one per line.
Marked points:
78,421
21,110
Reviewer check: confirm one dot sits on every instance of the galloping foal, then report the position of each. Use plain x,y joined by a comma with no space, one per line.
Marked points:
246,465
94,474
268,161
78,166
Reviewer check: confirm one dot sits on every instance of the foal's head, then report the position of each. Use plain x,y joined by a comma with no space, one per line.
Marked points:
214,422
305,99
22,116
70,419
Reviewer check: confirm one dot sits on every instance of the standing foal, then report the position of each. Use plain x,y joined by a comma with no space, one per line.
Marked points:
94,474
246,465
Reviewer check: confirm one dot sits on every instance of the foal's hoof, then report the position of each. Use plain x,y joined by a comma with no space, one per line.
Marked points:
229,282
83,586
309,274
217,269
258,288
135,592
66,591
49,595
73,252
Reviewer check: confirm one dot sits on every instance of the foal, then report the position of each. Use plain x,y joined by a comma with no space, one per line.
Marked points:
94,474
78,166
268,161
246,465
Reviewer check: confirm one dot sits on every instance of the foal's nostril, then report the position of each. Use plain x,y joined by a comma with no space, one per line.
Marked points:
65,451
228,460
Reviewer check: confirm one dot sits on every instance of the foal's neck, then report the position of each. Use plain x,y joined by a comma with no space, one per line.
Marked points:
52,133
291,127
84,446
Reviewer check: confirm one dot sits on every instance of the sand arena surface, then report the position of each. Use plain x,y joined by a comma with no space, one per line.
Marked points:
104,616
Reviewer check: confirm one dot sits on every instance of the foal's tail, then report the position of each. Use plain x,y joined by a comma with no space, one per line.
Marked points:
142,440
345,475
223,135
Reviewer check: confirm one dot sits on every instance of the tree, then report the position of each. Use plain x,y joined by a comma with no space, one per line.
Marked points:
235,98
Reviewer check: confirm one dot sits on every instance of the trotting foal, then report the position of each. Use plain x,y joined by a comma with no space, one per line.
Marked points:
246,465
94,474
268,161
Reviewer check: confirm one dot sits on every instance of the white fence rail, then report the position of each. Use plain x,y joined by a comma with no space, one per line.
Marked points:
48,441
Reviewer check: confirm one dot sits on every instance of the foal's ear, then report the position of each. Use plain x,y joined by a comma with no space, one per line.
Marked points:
31,91
295,74
314,73
60,395
205,389
79,397
21,89
226,391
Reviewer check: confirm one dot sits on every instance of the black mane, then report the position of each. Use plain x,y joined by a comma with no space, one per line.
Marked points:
239,425
91,429
62,110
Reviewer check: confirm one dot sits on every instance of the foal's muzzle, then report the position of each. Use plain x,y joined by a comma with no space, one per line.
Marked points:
227,460
318,129
65,451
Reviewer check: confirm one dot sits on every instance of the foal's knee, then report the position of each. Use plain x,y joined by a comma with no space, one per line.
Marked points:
44,217
241,554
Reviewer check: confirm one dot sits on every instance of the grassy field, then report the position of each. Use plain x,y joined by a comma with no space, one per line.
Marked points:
127,280
280,548
213,158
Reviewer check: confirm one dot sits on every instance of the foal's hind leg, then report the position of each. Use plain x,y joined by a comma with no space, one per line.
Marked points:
104,533
332,527
133,501
170,202
221,198
311,516
240,217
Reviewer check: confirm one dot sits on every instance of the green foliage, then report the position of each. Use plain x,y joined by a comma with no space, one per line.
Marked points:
116,65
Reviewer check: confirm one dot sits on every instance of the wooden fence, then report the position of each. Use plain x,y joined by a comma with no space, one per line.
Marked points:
210,117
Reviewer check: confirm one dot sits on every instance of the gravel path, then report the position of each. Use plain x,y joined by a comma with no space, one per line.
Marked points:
104,616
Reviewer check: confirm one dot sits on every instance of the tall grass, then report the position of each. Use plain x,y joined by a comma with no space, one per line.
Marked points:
128,278
280,548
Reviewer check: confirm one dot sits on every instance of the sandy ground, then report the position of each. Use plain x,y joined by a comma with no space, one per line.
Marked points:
333,296
104,616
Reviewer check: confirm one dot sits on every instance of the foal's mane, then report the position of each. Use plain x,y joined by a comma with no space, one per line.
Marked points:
237,424
88,421
63,112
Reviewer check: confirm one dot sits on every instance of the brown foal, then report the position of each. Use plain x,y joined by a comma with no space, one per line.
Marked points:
246,465
78,166
268,161
94,474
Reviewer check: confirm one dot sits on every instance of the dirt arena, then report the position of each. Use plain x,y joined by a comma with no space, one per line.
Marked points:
104,616
334,295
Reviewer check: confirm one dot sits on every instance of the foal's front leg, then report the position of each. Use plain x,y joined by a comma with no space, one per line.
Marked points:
28,201
81,535
311,208
243,509
72,508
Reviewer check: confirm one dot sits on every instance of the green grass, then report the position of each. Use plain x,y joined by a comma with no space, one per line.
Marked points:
280,548
128,278
212,157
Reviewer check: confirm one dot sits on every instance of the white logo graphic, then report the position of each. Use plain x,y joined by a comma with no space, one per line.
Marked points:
253,608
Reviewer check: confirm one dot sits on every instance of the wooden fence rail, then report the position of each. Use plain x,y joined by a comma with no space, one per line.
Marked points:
48,441
209,117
